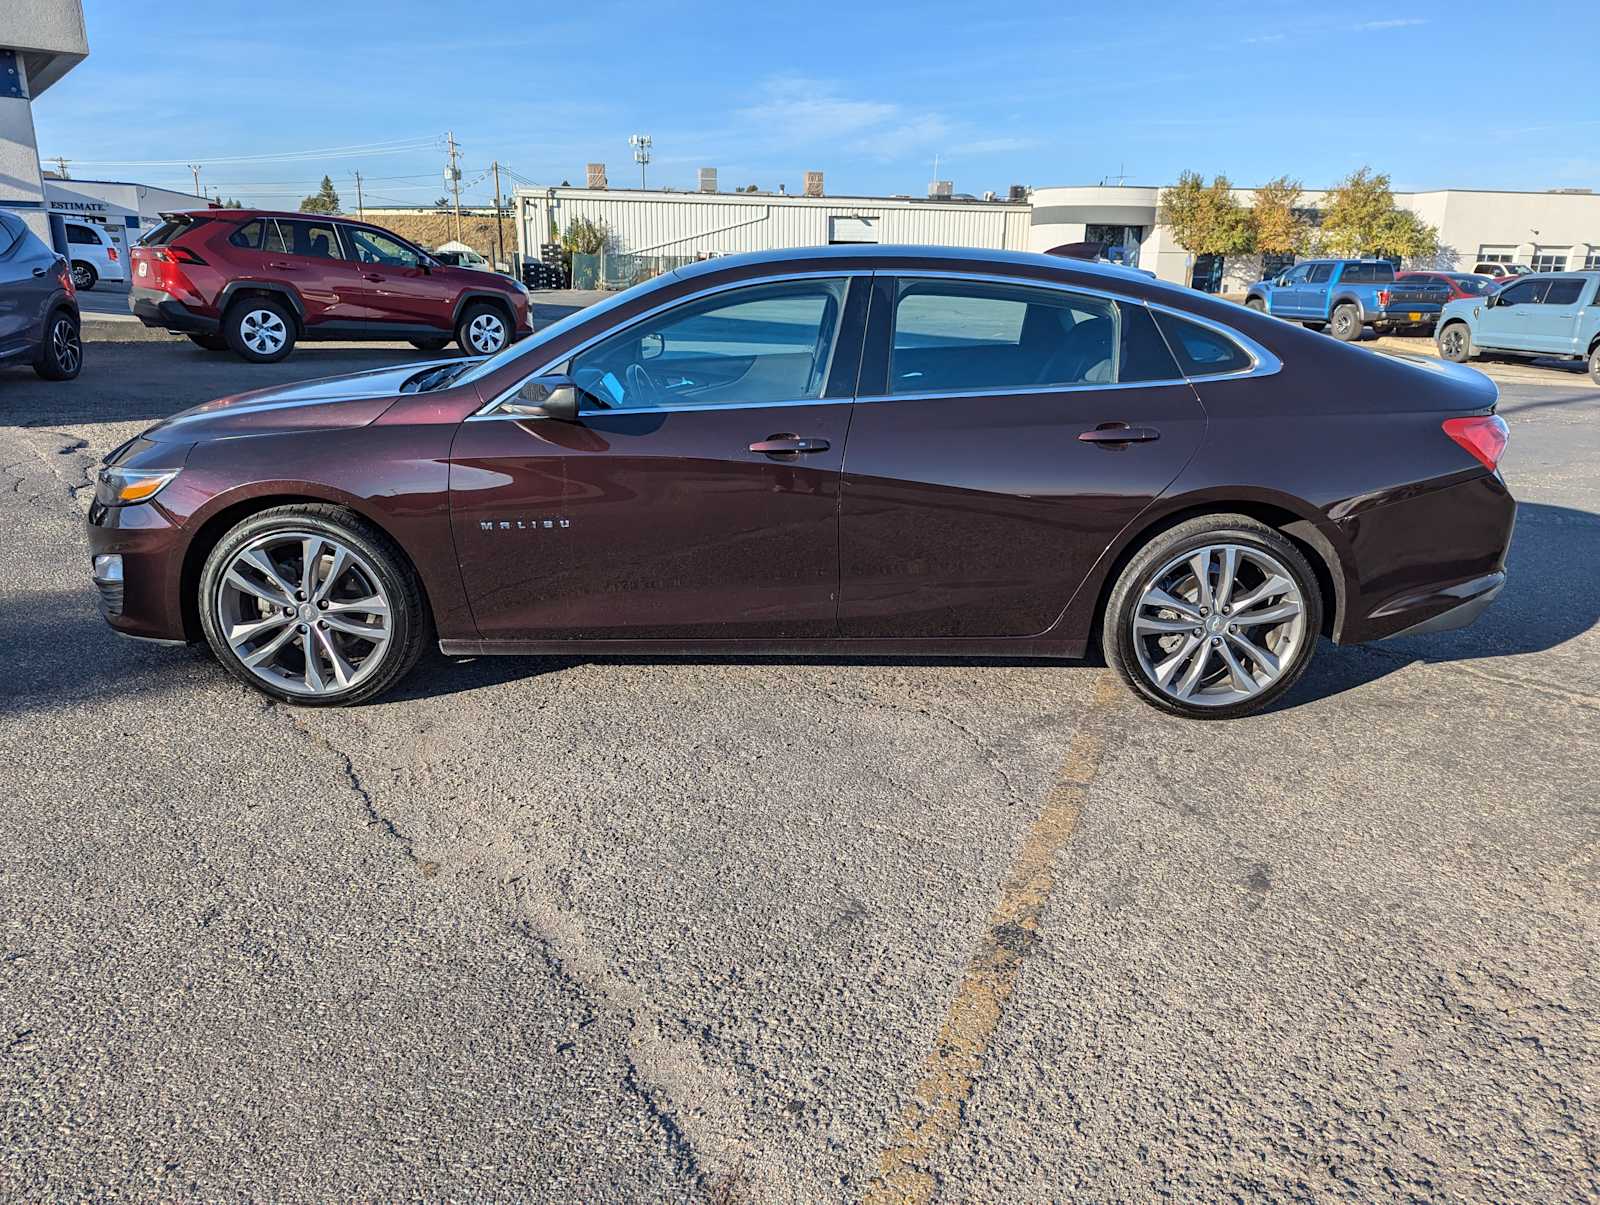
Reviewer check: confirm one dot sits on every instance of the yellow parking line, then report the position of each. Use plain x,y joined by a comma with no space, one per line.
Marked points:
933,1117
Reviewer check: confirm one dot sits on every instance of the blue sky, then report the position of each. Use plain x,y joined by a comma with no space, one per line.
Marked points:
1023,92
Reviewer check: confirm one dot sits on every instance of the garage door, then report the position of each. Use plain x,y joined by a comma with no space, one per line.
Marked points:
852,229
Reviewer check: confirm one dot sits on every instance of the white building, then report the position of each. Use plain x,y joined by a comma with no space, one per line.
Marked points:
1549,231
124,210
40,41
691,225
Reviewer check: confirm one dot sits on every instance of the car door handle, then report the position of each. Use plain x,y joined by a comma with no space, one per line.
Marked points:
40,271
281,267
1118,433
372,276
788,445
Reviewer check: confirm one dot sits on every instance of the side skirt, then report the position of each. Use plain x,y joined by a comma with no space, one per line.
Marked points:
992,646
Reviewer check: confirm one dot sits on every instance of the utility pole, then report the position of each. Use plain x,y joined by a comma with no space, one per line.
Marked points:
453,175
61,166
360,209
499,235
195,168
641,153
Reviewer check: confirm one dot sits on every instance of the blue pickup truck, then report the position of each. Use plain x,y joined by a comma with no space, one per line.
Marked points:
1346,295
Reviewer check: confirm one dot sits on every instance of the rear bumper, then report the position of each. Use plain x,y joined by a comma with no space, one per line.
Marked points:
155,308
1463,604
1402,316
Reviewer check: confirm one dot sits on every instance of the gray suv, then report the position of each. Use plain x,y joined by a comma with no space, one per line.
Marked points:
38,304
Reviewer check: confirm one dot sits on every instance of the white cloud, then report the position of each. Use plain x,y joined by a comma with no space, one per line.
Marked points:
799,110
1391,23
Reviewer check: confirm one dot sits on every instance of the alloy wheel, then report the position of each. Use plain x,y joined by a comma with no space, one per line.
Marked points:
1450,342
81,276
64,345
303,612
1218,624
263,332
486,333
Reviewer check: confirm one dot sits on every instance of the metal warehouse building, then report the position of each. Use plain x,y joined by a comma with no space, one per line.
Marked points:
694,225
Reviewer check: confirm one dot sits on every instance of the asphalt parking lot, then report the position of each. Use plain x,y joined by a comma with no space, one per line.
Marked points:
761,930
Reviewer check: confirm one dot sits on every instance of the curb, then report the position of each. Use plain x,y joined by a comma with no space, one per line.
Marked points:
120,330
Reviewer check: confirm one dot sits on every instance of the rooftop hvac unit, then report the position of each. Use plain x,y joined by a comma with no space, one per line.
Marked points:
1017,193
813,184
943,189
597,175
708,179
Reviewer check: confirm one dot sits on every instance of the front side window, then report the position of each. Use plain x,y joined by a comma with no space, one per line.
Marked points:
370,247
1297,275
1320,274
1524,292
759,344
969,336
1564,292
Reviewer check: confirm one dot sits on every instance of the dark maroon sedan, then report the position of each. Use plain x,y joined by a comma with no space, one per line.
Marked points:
843,450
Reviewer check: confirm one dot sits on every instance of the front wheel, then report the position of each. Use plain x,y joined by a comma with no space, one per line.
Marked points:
1214,619
311,604
1455,343
1256,304
483,330
83,275
1346,324
1594,363
60,354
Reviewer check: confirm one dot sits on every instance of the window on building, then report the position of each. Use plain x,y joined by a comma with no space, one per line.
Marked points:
1564,292
1207,275
1202,351
1274,263
1591,262
1549,259
1120,244
972,336
853,228
1496,255
763,343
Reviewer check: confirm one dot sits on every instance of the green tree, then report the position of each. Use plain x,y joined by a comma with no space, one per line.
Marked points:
1276,226
324,200
1206,219
1360,217
584,237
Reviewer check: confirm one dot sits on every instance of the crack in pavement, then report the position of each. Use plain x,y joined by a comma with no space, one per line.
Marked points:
1576,697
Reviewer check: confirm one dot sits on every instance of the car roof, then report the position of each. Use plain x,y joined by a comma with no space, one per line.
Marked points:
975,257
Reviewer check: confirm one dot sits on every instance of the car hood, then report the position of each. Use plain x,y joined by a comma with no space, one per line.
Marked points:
353,400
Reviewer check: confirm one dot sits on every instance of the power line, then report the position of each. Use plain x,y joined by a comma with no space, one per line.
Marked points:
353,150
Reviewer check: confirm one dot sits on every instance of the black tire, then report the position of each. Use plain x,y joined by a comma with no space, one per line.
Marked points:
1346,323
411,624
210,342
60,353
1117,638
1594,363
248,323
1454,342
469,333
84,276
1256,304
439,344
1315,326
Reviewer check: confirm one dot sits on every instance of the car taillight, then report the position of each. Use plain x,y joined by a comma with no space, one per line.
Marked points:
1484,436
176,255
111,253
1383,297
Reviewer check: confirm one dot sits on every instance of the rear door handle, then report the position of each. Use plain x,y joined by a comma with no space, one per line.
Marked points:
282,267
40,271
373,276
788,445
1118,433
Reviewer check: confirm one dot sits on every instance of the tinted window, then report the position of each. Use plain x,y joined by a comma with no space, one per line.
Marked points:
1145,354
1295,275
1201,351
248,235
1367,273
170,229
371,247
1524,292
1564,292
81,235
1471,284
765,343
960,336
1320,273
318,240
10,232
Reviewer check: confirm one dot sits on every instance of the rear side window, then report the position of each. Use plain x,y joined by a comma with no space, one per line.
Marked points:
318,240
1367,274
1202,351
1320,274
248,235
10,232
955,336
81,235
1564,292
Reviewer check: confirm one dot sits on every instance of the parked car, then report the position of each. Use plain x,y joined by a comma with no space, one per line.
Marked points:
1460,284
1500,271
1346,295
1550,314
463,258
94,256
1003,454
38,304
258,282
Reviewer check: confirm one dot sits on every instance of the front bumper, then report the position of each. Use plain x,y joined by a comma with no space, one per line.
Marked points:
155,308
144,598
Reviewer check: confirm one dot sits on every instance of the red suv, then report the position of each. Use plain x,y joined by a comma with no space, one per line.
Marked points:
259,281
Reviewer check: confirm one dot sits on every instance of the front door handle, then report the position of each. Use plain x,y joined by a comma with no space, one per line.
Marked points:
1118,433
373,276
40,271
281,267
788,445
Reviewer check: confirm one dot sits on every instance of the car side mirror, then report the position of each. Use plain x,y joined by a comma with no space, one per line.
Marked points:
545,397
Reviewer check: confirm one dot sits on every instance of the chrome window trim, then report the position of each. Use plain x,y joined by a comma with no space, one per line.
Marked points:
488,410
1263,363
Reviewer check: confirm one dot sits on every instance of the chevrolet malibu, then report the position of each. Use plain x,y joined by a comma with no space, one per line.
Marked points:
842,450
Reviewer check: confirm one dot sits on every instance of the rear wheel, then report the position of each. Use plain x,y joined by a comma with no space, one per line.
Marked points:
312,604
210,342
1256,304
483,330
1594,363
1216,618
430,344
60,353
83,275
1346,324
1455,343
259,329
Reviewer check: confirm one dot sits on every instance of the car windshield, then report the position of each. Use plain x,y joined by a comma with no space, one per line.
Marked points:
530,348
1471,284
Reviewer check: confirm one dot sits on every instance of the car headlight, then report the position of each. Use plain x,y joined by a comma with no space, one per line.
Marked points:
123,487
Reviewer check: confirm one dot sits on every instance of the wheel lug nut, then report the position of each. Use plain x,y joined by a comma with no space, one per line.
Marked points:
1205,610
1233,628
300,594
1216,640
1225,610
1199,631
322,604
304,628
